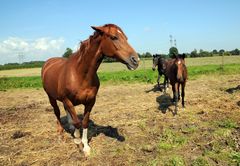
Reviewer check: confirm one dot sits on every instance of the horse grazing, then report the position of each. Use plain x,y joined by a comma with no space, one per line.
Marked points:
74,81
176,71
160,62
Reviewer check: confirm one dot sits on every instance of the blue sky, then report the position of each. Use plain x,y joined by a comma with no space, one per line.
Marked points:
43,29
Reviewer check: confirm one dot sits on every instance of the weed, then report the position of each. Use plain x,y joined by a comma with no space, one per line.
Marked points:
200,161
170,139
228,124
176,161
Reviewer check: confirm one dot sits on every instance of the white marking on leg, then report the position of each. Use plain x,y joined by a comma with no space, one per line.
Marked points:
76,134
86,147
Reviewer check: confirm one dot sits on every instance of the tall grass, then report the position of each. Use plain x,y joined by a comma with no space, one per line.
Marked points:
116,77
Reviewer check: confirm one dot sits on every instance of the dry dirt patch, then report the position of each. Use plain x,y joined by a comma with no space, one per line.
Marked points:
127,124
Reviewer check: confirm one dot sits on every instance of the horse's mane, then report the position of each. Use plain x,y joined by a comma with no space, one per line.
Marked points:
81,50
84,45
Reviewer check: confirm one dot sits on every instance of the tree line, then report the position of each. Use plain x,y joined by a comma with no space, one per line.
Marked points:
172,52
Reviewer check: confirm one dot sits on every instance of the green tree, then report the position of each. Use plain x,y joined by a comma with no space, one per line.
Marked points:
148,54
214,51
235,52
221,52
194,53
67,53
203,53
173,52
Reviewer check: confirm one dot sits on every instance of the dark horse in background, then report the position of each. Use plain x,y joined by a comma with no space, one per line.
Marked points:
160,62
176,71
74,81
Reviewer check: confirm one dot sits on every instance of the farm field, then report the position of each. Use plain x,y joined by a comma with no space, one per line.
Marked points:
131,124
145,64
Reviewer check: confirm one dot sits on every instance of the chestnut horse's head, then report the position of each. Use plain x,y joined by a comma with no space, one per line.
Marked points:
114,44
180,67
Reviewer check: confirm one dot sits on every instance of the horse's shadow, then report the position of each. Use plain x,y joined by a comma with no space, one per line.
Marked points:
93,129
232,90
156,88
165,101
238,103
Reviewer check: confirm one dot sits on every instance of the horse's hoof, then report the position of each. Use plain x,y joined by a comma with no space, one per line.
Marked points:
77,141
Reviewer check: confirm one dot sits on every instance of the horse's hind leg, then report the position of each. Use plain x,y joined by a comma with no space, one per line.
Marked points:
183,94
56,109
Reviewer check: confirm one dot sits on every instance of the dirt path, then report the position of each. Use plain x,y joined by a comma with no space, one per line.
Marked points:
130,125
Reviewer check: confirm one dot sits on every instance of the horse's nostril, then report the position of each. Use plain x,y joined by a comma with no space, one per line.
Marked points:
133,60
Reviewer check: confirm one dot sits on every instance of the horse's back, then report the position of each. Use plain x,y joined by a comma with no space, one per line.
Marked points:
51,72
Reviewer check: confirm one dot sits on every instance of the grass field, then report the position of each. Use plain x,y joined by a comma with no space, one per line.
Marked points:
132,122
125,76
145,64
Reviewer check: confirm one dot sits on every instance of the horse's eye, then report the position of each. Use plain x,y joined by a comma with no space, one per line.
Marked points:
114,38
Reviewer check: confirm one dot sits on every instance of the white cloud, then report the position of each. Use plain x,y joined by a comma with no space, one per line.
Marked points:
47,43
14,44
38,49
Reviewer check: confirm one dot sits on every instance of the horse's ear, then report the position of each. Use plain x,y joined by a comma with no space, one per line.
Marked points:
98,29
183,56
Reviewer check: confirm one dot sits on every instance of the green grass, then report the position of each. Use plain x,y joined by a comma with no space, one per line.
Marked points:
20,82
235,156
227,123
200,161
170,140
116,77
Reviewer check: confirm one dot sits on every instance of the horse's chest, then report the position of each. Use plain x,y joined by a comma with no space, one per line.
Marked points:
84,96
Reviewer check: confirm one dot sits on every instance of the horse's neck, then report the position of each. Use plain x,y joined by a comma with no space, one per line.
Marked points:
89,61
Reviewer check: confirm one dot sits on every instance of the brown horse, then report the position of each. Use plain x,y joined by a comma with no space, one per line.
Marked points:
160,62
176,71
74,81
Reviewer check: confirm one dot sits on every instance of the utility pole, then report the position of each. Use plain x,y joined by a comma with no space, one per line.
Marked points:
20,57
175,43
171,40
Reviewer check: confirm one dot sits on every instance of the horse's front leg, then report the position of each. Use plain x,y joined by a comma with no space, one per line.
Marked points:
87,110
158,79
75,120
165,83
176,87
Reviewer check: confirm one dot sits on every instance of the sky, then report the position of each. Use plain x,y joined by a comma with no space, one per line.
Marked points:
38,30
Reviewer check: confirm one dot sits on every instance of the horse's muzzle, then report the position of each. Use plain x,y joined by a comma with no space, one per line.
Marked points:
180,79
133,62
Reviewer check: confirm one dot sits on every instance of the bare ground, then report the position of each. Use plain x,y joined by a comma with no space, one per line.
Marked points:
130,125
